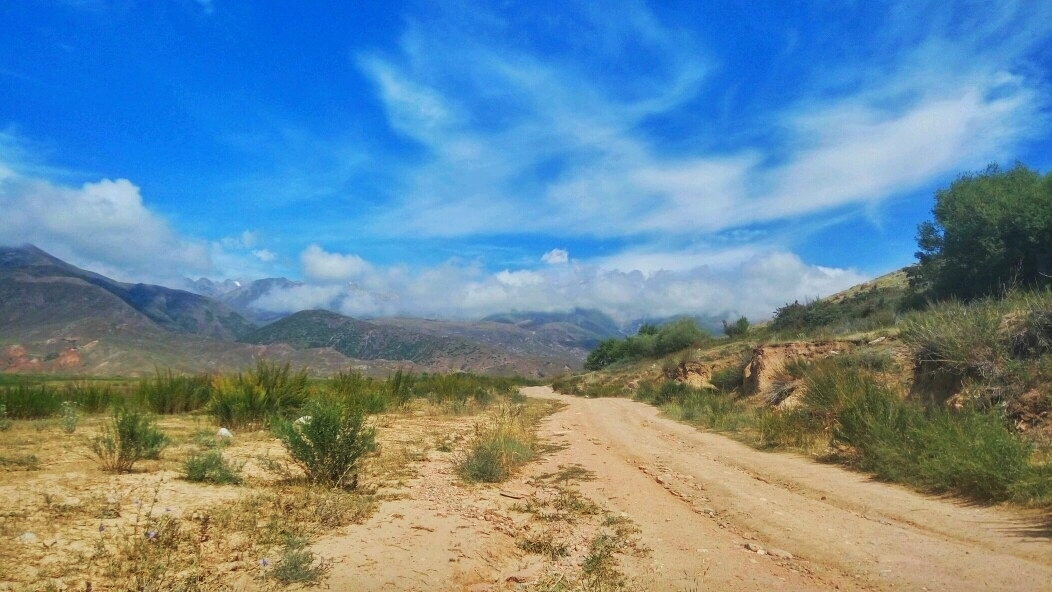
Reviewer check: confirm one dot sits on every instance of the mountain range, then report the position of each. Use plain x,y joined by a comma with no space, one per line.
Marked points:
55,317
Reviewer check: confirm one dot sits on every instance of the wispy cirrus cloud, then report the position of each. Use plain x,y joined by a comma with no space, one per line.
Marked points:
520,144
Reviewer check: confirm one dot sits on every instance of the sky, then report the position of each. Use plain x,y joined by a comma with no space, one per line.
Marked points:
455,159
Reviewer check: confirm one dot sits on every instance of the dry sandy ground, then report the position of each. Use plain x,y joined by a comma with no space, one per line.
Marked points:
698,500
685,506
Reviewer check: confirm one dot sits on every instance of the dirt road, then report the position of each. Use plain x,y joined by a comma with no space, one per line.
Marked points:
699,498
713,514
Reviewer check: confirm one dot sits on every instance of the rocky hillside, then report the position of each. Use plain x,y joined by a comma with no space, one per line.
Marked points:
38,290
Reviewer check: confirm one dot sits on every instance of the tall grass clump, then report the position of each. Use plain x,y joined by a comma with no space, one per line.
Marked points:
970,451
359,392
328,442
256,398
961,339
400,387
991,351
716,411
27,401
129,437
500,445
168,393
39,401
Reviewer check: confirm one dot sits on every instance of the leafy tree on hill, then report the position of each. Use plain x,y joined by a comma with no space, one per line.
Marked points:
991,231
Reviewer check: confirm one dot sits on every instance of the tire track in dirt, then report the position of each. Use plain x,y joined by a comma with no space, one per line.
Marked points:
700,498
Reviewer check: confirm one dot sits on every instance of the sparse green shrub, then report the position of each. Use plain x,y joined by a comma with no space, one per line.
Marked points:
211,467
256,398
131,436
298,564
329,443
25,462
70,416
544,543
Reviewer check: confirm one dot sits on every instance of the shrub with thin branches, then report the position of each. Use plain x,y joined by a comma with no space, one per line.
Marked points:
328,443
130,436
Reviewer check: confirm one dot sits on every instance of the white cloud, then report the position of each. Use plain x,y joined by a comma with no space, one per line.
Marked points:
264,255
754,286
556,257
103,224
322,266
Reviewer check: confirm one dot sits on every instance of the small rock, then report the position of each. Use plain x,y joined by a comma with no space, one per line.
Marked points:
754,547
779,554
224,433
27,538
660,479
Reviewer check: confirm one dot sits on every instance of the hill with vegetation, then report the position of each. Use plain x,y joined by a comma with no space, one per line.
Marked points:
57,318
927,376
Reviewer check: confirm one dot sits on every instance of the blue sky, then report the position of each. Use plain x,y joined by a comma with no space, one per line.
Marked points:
455,159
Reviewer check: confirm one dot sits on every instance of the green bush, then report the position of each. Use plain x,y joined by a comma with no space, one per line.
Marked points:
968,452
739,328
866,310
254,399
211,467
130,436
329,443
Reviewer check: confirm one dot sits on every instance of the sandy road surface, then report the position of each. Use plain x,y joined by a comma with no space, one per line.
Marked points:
699,498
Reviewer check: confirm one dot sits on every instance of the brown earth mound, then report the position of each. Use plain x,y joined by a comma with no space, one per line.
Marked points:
769,360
